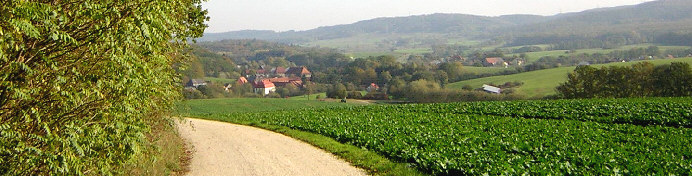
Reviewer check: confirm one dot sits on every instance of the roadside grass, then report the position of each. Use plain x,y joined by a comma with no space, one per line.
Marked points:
167,153
543,82
370,161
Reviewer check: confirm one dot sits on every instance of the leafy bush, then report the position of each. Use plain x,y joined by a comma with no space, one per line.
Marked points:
80,80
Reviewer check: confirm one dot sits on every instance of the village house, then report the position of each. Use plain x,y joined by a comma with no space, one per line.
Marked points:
492,89
264,87
279,72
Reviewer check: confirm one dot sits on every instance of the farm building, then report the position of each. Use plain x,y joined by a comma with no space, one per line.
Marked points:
373,87
492,89
302,72
280,82
494,61
264,87
196,83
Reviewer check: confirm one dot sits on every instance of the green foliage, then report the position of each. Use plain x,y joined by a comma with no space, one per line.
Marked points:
639,80
337,91
446,139
80,80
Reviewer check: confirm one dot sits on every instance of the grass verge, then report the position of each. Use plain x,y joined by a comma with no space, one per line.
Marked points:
167,153
372,162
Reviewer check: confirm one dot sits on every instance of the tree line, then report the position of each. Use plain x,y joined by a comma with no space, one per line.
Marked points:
639,80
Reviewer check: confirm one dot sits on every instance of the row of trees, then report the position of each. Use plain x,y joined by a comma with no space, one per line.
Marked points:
640,80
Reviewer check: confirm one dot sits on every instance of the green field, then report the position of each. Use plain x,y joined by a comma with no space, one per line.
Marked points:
534,56
484,70
563,137
543,82
235,105
219,80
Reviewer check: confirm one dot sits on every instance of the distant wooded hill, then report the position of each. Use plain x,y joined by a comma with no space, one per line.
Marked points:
603,27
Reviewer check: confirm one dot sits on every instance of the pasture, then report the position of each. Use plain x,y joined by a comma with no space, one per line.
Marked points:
543,82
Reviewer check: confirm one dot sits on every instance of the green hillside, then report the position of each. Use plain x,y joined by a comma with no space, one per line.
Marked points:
534,56
543,82
645,22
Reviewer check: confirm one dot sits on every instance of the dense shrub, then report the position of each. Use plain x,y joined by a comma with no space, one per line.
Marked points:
80,80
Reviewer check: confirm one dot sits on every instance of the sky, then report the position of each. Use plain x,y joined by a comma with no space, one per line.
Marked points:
284,15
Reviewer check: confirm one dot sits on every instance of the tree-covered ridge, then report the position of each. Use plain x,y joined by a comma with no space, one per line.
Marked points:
81,80
599,28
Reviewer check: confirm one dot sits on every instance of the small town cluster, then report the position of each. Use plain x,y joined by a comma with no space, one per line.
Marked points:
265,81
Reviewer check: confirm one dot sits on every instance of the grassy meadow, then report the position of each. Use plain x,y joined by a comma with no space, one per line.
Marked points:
240,105
543,82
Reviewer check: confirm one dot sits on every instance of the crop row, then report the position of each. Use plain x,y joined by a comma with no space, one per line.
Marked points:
673,112
452,143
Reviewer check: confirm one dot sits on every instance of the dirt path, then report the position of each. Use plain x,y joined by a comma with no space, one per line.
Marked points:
229,149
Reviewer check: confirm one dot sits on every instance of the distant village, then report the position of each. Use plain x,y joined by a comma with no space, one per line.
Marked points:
264,80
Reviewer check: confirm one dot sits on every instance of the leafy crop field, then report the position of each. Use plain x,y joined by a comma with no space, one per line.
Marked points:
543,82
576,137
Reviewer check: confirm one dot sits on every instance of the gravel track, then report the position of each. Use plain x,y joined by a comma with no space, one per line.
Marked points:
228,149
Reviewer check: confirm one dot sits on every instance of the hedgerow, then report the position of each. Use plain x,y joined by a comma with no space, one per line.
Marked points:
79,80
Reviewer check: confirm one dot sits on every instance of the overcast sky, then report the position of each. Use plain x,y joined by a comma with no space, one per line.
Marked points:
283,15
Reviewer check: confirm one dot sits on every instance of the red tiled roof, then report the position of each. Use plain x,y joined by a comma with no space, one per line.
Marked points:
242,80
494,60
279,70
297,83
282,80
298,71
264,84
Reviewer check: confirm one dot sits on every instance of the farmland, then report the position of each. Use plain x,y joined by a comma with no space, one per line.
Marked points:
233,105
543,82
220,81
534,56
584,137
